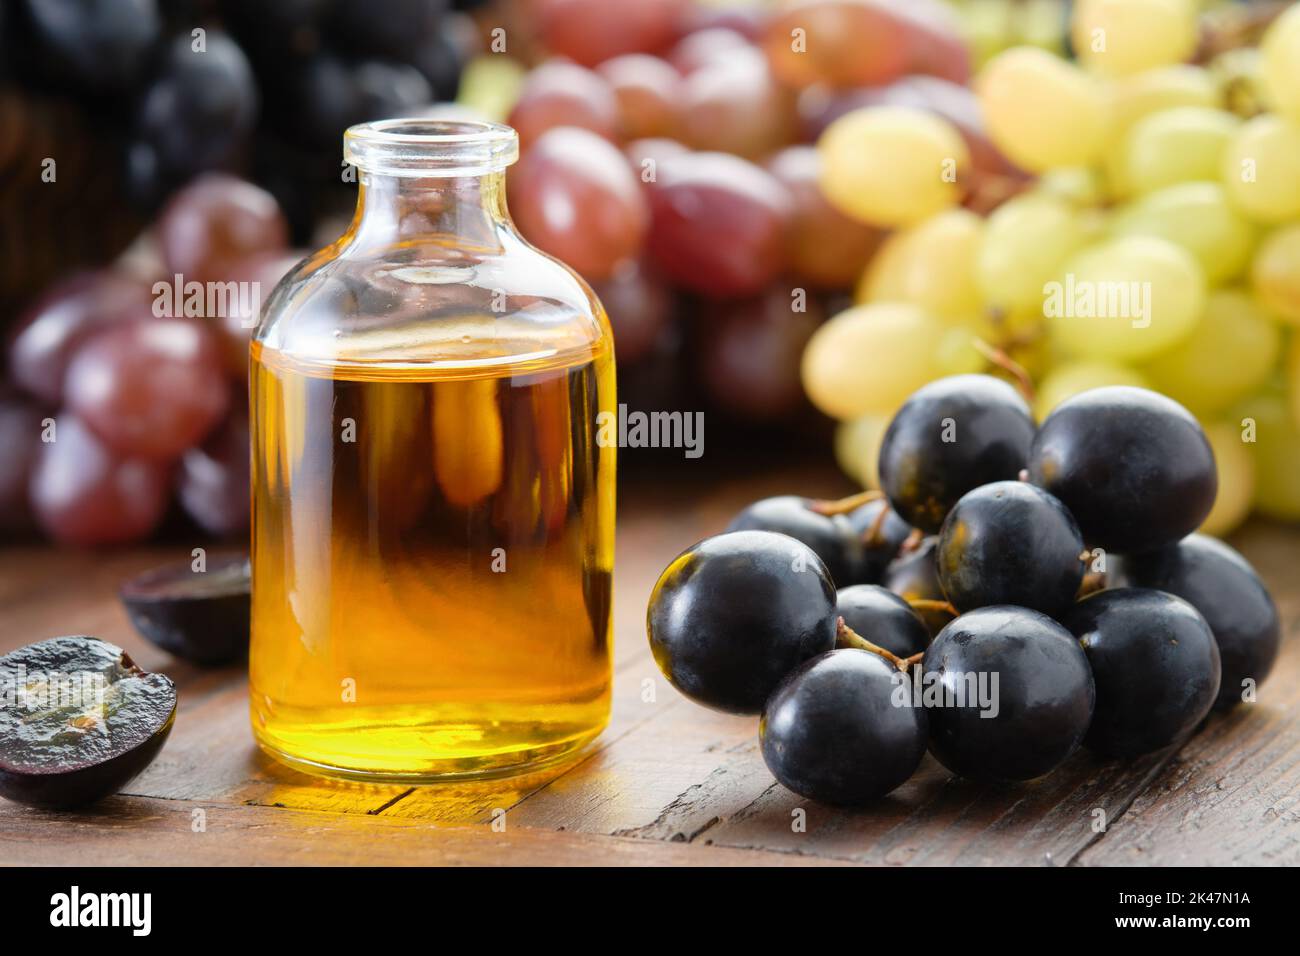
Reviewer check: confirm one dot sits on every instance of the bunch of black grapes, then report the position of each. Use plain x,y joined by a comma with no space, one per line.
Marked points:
248,86
1014,593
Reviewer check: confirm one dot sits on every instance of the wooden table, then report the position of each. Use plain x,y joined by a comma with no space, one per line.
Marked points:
668,782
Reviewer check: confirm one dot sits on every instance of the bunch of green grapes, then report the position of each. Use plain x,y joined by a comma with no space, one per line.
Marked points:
1155,240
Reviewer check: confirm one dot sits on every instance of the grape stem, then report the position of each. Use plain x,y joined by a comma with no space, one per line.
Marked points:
1000,359
912,541
845,636
871,538
842,506
926,604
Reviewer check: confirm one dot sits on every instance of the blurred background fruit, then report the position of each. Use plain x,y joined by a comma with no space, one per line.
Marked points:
795,212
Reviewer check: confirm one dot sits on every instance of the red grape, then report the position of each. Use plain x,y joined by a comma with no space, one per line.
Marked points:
826,248
838,42
750,353
736,105
646,89
266,269
705,47
564,94
575,196
748,21
951,101
592,31
718,224
150,389
215,221
21,422
62,319
639,308
84,493
645,155
213,480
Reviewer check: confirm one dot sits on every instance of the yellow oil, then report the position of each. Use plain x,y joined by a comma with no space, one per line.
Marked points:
432,559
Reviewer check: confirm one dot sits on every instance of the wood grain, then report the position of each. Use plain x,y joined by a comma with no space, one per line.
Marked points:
668,782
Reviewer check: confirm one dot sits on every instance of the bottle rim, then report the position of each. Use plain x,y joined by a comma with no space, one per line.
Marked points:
430,147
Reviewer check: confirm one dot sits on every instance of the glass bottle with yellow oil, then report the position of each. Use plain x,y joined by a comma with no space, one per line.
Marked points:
433,516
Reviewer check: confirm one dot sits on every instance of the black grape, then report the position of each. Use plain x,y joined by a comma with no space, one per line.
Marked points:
1222,585
950,436
1010,543
1155,664
1133,467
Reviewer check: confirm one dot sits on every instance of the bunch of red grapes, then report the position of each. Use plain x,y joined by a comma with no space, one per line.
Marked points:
667,156
126,397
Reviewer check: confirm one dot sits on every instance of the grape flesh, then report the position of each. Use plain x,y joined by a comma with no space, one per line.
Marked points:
1155,664
1132,466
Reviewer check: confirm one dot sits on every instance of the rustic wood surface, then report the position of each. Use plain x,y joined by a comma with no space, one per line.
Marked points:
668,782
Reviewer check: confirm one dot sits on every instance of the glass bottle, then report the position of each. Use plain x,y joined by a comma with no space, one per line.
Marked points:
433,516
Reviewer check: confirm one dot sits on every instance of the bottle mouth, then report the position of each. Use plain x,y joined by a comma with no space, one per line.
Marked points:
430,147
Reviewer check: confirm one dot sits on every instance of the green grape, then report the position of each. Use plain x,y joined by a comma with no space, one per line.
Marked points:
1275,450
1078,185
870,358
1025,243
1230,353
1275,273
490,86
857,448
1123,37
1198,217
1125,299
892,165
1261,169
1175,146
1134,98
1293,376
1236,470
1042,111
931,265
1280,69
1070,378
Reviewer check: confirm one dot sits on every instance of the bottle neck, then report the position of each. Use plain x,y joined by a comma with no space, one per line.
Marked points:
465,212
